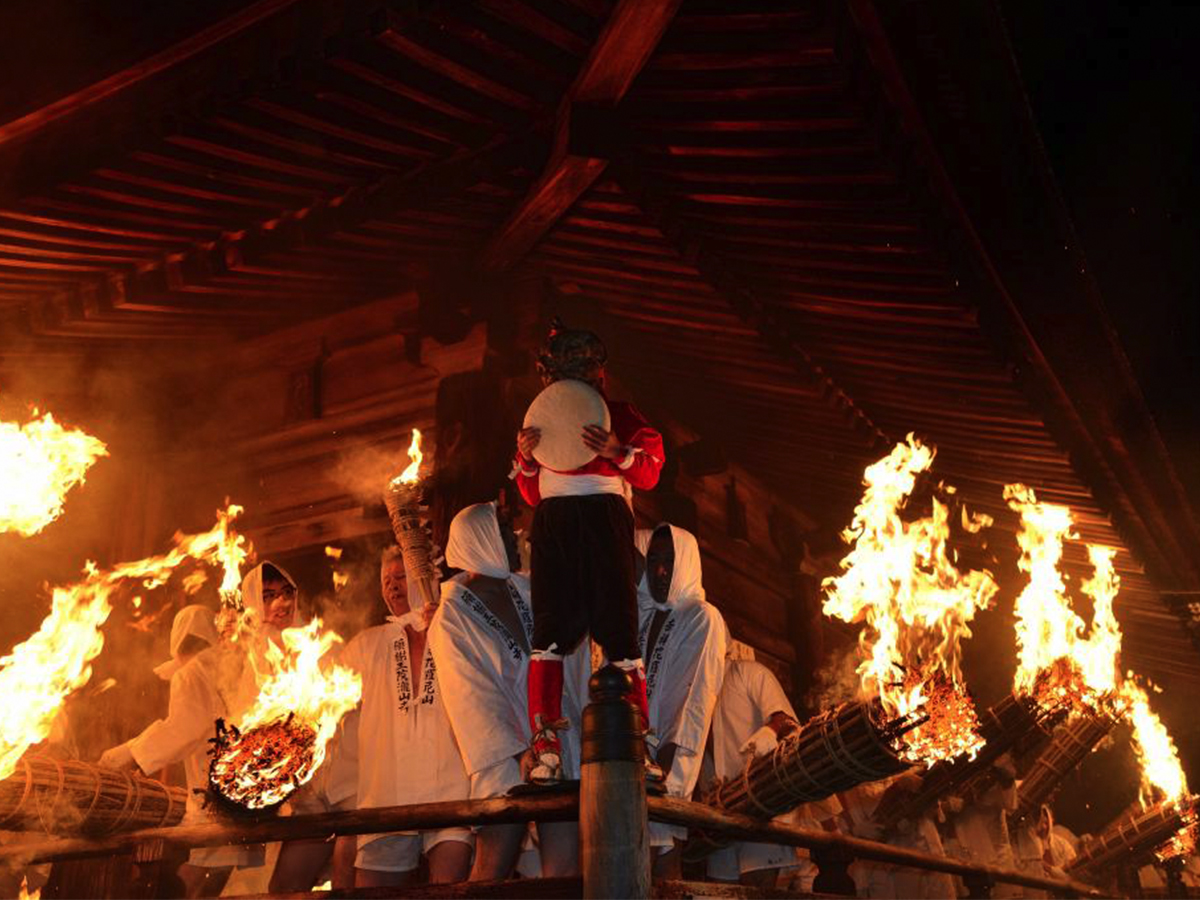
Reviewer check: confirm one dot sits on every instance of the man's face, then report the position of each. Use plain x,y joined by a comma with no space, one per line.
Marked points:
1044,825
279,603
660,564
395,587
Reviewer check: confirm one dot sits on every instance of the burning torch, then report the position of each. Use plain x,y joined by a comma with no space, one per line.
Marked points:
1133,838
403,499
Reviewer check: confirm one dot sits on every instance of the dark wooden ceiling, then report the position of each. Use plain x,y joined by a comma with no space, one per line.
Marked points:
756,199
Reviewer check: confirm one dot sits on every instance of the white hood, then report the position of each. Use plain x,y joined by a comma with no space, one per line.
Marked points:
475,544
687,588
252,592
191,620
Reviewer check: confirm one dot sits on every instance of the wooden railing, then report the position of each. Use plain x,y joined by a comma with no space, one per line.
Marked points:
615,857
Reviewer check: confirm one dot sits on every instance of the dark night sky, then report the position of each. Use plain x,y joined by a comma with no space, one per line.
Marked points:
1114,90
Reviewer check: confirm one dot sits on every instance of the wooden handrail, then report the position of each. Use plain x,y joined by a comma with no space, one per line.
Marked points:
747,828
558,807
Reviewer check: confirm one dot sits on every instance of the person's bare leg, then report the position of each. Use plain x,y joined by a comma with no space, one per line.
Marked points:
763,878
449,862
496,849
379,878
299,864
669,864
560,849
345,848
202,881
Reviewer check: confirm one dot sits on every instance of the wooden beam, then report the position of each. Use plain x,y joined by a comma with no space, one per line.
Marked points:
625,44
754,311
555,807
141,71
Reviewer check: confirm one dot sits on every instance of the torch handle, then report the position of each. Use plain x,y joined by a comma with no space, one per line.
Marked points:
405,515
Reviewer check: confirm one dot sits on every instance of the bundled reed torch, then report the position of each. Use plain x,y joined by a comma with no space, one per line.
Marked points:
403,499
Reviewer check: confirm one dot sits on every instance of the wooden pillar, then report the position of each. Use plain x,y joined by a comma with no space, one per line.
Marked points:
614,830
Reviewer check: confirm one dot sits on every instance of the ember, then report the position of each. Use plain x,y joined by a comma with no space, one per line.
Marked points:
281,741
260,769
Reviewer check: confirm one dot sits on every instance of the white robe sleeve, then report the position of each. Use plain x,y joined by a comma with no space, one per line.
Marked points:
191,712
471,681
767,692
691,684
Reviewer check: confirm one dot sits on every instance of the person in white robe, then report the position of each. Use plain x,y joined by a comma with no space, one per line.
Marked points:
217,683
682,637
301,864
919,833
751,716
871,879
820,815
481,637
980,824
407,752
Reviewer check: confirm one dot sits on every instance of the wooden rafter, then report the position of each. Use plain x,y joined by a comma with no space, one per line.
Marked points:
776,333
625,44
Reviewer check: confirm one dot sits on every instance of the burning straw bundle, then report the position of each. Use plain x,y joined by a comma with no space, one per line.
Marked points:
1133,839
257,771
68,797
403,500
1067,749
832,752
1004,726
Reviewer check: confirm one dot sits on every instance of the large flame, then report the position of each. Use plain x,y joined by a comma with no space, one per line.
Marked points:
410,475
1062,662
40,462
1059,661
898,579
281,742
40,673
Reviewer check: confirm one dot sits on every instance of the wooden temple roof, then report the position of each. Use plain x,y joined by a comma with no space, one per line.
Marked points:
811,226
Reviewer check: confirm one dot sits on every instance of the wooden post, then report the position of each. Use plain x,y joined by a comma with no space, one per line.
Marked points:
614,831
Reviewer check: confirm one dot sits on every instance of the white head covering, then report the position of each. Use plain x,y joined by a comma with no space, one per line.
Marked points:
475,544
191,620
687,588
252,592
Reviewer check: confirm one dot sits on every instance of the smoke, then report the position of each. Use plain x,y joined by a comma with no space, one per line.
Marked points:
364,471
838,681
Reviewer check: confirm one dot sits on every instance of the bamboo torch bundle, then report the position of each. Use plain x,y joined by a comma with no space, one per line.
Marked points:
403,500
72,798
1067,749
1133,838
1005,725
832,752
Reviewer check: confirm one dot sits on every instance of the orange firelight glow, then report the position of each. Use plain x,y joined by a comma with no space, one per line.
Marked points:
40,461
899,581
411,474
39,674
1063,662
300,701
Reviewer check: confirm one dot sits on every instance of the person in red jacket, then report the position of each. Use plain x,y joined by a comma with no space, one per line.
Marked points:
583,570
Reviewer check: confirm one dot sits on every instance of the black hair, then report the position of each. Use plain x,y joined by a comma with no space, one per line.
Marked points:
272,573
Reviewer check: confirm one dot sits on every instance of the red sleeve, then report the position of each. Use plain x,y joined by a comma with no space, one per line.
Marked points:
525,473
644,462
